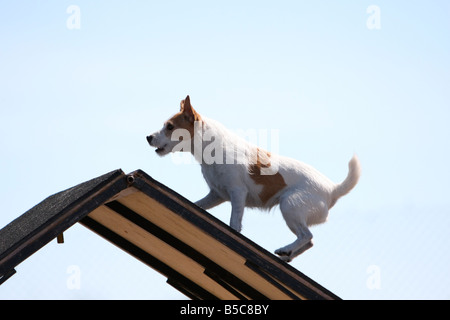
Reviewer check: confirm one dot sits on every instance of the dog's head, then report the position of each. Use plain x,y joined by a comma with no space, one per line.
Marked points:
165,140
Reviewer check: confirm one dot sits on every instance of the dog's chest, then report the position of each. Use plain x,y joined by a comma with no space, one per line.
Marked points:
216,176
222,177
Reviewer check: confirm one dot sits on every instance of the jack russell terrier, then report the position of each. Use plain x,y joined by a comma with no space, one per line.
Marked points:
248,176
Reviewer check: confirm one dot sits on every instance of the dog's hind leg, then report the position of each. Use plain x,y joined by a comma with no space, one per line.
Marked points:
295,217
303,243
302,249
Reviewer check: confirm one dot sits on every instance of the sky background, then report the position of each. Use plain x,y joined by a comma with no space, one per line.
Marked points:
78,103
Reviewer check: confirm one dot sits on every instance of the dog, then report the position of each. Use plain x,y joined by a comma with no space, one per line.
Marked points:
248,176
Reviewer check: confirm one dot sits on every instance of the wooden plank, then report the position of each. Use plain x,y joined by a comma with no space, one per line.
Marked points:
275,282
159,249
227,286
272,265
201,241
174,277
213,270
124,193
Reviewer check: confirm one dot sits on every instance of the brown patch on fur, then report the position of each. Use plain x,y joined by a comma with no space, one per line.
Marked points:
271,183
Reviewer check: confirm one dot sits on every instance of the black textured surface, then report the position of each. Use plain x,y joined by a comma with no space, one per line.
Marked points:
45,212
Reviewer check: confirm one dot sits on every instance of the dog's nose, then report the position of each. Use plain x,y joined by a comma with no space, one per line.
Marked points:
149,139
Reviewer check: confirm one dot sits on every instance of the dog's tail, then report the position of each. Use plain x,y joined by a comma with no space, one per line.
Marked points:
354,172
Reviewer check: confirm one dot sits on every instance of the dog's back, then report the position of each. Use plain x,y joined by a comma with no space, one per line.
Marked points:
266,176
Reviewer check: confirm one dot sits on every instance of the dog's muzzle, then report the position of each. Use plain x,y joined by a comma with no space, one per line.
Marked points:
149,139
159,150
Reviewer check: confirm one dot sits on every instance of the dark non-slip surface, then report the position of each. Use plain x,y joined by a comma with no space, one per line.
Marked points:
44,213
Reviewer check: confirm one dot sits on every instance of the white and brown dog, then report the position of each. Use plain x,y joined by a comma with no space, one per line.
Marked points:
248,176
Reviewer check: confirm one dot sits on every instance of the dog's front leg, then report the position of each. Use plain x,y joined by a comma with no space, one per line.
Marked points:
211,200
237,198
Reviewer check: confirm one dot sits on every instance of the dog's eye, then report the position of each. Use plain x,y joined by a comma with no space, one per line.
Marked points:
169,126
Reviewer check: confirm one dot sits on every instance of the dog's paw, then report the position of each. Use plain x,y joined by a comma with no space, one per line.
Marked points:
284,254
236,226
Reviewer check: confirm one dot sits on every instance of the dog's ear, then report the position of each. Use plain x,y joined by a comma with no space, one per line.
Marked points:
186,103
181,105
188,111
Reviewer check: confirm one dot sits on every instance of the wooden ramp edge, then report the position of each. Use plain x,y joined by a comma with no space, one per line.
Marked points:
200,255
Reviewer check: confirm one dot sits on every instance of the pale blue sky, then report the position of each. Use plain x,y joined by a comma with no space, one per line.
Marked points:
75,104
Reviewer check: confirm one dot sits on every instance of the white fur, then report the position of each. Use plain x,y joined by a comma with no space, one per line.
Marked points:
304,201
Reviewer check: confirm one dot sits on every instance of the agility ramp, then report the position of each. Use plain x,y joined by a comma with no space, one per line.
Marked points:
201,256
